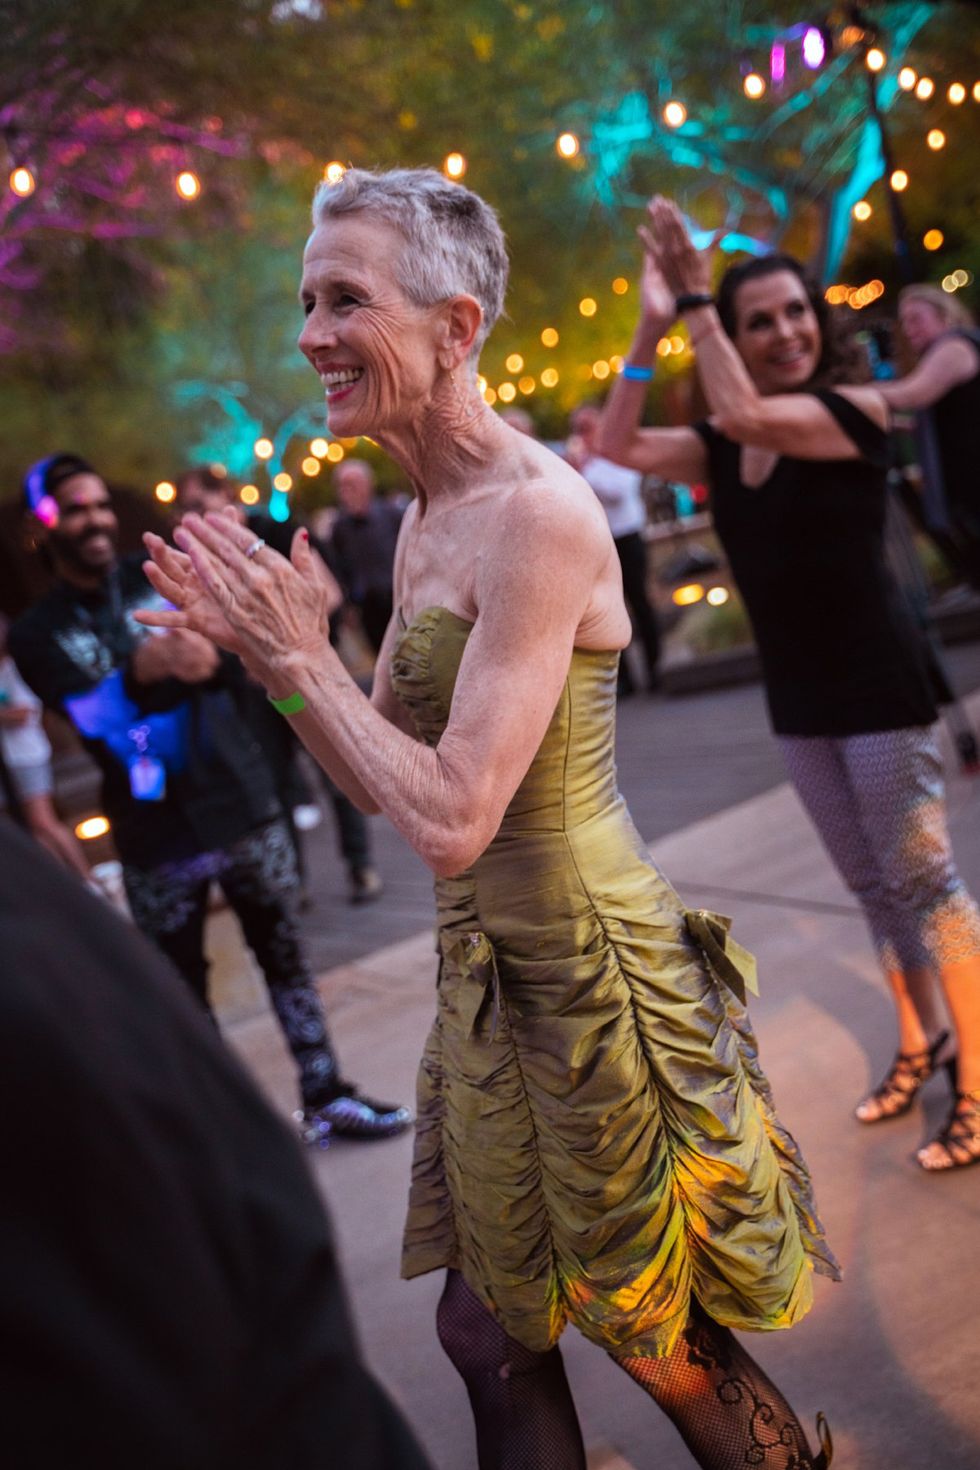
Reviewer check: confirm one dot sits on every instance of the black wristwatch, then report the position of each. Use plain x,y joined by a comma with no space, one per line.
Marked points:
692,299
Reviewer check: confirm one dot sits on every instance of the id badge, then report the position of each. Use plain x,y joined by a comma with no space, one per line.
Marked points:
147,778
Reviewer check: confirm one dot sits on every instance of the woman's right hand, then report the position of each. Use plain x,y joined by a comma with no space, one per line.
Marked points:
658,307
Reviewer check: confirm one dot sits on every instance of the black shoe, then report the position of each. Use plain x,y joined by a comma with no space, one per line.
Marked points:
350,1115
365,885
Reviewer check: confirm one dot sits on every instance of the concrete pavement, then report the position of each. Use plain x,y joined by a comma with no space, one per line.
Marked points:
893,1354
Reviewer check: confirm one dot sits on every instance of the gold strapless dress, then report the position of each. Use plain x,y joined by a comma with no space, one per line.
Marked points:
596,1140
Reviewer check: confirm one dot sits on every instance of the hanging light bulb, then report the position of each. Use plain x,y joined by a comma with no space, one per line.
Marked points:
933,239
262,449
333,172
875,59
568,145
862,210
956,93
454,165
754,86
924,88
936,139
187,184
675,114
899,180
22,182
907,78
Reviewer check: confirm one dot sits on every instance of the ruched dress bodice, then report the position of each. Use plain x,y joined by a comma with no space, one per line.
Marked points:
596,1141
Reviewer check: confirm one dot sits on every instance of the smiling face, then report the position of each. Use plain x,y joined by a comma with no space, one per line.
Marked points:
84,537
375,351
776,332
921,323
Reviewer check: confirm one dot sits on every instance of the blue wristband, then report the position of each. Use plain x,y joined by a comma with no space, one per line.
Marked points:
637,374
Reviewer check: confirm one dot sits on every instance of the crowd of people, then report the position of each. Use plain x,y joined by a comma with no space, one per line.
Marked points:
596,1142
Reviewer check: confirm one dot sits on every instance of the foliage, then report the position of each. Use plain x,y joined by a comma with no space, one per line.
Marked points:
115,294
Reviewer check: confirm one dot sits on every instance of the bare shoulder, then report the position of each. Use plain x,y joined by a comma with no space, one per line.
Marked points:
551,502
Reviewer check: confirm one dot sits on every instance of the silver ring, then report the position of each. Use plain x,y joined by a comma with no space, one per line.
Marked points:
255,547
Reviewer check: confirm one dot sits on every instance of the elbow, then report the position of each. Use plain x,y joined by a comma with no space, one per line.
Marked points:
453,850
743,425
615,446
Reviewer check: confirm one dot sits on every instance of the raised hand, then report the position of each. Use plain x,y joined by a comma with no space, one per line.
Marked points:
684,270
656,298
172,574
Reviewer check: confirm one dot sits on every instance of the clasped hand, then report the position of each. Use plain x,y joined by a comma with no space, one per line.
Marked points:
264,608
671,265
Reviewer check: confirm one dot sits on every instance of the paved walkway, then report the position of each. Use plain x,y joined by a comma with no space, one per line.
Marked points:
893,1354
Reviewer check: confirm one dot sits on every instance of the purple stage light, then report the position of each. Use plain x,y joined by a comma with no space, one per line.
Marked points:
814,48
777,63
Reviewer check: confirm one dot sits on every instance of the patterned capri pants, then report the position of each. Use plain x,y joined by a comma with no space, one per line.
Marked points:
257,875
878,802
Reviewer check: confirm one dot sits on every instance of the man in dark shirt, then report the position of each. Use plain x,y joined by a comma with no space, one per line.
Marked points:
186,788
364,537
169,1295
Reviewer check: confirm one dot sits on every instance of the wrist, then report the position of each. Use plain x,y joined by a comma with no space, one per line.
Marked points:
643,348
689,302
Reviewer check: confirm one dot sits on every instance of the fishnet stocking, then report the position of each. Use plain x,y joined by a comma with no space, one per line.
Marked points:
727,1411
522,1407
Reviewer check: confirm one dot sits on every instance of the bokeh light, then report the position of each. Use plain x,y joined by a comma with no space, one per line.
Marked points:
907,78
311,466
924,88
620,285
690,593
587,306
862,210
318,447
956,93
933,239
335,452
549,378
549,337
263,448
899,180
165,492
936,139
187,184
718,596
754,86
514,362
506,392
454,165
875,59
568,145
91,828
249,495
675,114
22,182
334,172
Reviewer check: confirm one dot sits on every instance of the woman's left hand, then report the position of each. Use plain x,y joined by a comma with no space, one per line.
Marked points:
685,270
262,606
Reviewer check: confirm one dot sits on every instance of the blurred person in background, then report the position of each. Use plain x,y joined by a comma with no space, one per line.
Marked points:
363,540
169,1291
943,390
796,459
620,494
26,754
201,489
186,787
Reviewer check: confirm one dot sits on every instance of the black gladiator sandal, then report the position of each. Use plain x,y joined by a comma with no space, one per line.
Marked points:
904,1078
826,1455
959,1136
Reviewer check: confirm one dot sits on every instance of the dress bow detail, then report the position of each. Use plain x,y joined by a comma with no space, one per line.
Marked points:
728,961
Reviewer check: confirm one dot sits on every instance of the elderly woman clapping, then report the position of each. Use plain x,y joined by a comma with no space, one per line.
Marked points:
592,1117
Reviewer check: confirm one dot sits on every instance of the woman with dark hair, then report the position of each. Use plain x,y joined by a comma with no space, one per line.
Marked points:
796,463
596,1142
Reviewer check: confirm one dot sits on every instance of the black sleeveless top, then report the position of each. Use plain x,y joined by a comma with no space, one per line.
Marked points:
841,652
957,419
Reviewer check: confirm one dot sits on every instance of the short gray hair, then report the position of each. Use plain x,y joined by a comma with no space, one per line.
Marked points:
454,243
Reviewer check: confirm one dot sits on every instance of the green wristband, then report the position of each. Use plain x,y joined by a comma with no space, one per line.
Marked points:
291,705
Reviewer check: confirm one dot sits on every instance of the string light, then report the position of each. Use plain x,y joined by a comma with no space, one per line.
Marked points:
690,593
677,344
249,495
924,88
587,306
814,48
514,363
936,139
506,392
976,91
91,828
527,384
754,86
187,184
454,165
335,452
907,78
489,396
283,482
663,347
311,466
318,447
956,93
718,596
875,59
600,369
263,449
334,172
22,182
165,492
933,239
549,337
567,145
549,378
899,180
620,285
617,363
862,210
675,114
